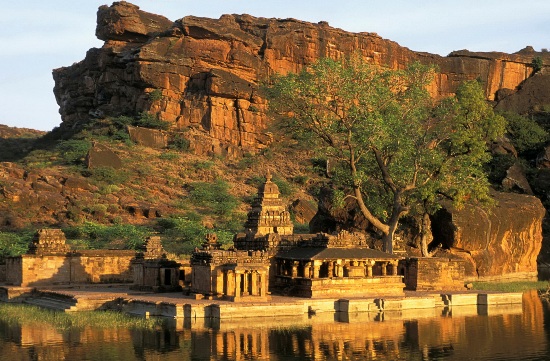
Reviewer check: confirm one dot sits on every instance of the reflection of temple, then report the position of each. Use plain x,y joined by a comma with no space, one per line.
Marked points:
268,256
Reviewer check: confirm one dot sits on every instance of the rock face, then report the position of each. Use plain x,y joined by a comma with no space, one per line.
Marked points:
497,243
203,74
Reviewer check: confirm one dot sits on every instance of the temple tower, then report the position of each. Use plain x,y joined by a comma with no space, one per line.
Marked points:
268,214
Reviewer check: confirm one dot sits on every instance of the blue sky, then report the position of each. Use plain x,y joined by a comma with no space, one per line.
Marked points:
38,36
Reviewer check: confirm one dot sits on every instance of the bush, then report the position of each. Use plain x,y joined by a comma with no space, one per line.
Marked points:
247,161
99,236
180,143
169,156
181,235
213,196
148,120
284,187
525,134
537,64
14,244
108,175
74,150
155,95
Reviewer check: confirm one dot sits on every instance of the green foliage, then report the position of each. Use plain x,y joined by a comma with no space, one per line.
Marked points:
214,197
108,175
73,150
179,143
155,95
537,64
247,161
300,179
148,120
525,133
169,156
14,244
207,164
145,119
181,235
284,187
394,149
98,236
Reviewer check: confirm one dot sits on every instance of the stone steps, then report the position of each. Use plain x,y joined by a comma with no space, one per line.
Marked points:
53,303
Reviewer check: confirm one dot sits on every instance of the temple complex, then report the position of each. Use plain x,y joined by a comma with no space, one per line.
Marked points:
269,258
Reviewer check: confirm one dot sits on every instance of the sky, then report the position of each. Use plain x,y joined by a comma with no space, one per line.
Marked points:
37,36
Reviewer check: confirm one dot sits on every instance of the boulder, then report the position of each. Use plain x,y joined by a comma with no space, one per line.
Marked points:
543,158
516,180
152,138
502,242
303,210
100,155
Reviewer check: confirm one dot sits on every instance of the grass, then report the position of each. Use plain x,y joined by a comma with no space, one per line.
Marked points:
31,315
519,286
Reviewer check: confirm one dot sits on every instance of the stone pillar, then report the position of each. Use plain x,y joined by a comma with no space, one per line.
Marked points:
238,284
230,287
369,268
385,268
245,284
254,289
263,284
330,269
316,269
394,268
339,269
294,269
307,270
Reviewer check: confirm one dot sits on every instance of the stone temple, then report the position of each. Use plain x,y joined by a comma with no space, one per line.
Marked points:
268,258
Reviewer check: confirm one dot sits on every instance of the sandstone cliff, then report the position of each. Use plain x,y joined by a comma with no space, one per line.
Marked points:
204,73
500,242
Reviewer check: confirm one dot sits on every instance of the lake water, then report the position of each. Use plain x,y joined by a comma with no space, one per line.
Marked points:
465,333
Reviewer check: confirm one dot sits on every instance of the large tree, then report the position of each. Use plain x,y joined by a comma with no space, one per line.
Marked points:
398,151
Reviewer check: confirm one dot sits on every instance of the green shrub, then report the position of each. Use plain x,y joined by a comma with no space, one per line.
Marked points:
108,175
284,187
14,244
99,236
208,164
169,156
148,120
73,150
181,235
179,143
155,95
525,134
213,196
300,179
537,64
247,161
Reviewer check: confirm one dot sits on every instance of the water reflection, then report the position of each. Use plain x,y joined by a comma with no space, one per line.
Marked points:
503,333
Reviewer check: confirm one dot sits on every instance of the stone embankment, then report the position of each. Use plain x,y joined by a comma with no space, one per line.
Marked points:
177,305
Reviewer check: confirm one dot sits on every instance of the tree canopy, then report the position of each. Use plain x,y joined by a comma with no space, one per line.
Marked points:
398,151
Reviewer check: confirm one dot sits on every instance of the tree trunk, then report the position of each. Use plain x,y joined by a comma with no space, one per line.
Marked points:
426,236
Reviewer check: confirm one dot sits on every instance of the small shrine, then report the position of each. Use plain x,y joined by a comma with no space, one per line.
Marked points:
152,270
229,274
49,242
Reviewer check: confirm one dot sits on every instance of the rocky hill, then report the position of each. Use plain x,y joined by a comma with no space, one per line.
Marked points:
199,79
203,74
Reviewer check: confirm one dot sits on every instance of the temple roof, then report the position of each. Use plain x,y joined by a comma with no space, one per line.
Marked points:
323,253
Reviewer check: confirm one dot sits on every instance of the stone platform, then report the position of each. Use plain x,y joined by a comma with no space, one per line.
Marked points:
176,305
